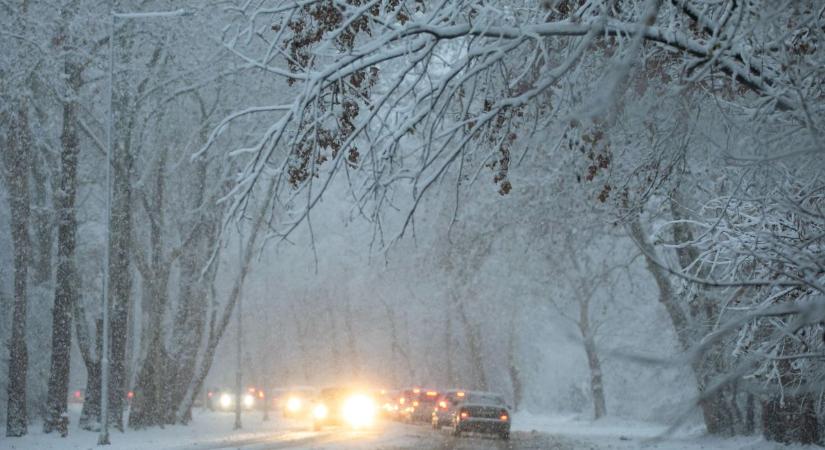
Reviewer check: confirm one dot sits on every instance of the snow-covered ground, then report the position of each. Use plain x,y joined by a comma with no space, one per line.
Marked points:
213,431
208,429
616,433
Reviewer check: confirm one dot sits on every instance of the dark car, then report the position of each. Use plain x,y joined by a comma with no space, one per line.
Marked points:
219,399
417,404
344,406
480,412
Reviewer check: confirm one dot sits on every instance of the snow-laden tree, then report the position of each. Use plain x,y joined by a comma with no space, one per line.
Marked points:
404,92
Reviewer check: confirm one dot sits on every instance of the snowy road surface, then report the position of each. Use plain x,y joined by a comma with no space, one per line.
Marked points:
391,437
213,431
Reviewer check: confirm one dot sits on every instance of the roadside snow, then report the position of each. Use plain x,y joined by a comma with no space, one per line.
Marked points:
207,429
616,433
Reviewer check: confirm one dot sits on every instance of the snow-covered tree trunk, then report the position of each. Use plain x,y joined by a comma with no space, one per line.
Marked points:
717,417
66,288
593,361
513,361
120,282
17,155
474,344
90,349
218,325
190,318
150,405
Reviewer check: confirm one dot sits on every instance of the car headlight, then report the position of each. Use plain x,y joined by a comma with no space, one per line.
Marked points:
320,412
225,400
248,401
293,404
359,411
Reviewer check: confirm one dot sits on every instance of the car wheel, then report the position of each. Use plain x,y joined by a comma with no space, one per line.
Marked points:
505,436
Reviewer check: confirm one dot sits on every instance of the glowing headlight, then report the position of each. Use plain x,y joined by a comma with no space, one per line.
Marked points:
359,411
248,401
293,404
320,412
225,401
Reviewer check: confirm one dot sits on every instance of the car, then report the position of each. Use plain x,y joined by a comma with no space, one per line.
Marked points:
388,403
296,403
481,412
219,399
445,407
417,404
344,406
77,396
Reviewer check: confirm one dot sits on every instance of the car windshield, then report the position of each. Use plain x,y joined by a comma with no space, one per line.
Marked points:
483,399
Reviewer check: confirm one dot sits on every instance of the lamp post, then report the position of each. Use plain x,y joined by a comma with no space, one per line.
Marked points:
239,394
103,438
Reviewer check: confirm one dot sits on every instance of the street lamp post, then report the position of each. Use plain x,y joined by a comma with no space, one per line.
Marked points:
239,394
103,438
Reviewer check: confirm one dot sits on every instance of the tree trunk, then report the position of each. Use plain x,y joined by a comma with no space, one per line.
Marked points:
216,330
513,368
190,317
120,285
193,291
790,420
90,414
17,157
596,381
66,288
716,421
474,344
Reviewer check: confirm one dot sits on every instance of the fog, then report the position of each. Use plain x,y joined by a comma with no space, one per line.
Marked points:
595,209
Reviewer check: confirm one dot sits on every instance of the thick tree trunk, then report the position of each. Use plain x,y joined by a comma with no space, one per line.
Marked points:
17,157
791,420
190,323
90,350
66,288
149,406
193,291
120,286
713,406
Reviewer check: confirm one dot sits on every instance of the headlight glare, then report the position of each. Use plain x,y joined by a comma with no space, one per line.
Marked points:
225,400
293,404
320,412
359,411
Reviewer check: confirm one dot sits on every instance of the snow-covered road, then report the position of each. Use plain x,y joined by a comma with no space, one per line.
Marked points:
213,431
390,437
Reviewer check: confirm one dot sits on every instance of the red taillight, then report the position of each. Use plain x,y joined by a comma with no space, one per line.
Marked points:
130,394
415,403
209,394
504,417
442,404
431,393
260,394
76,394
464,414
